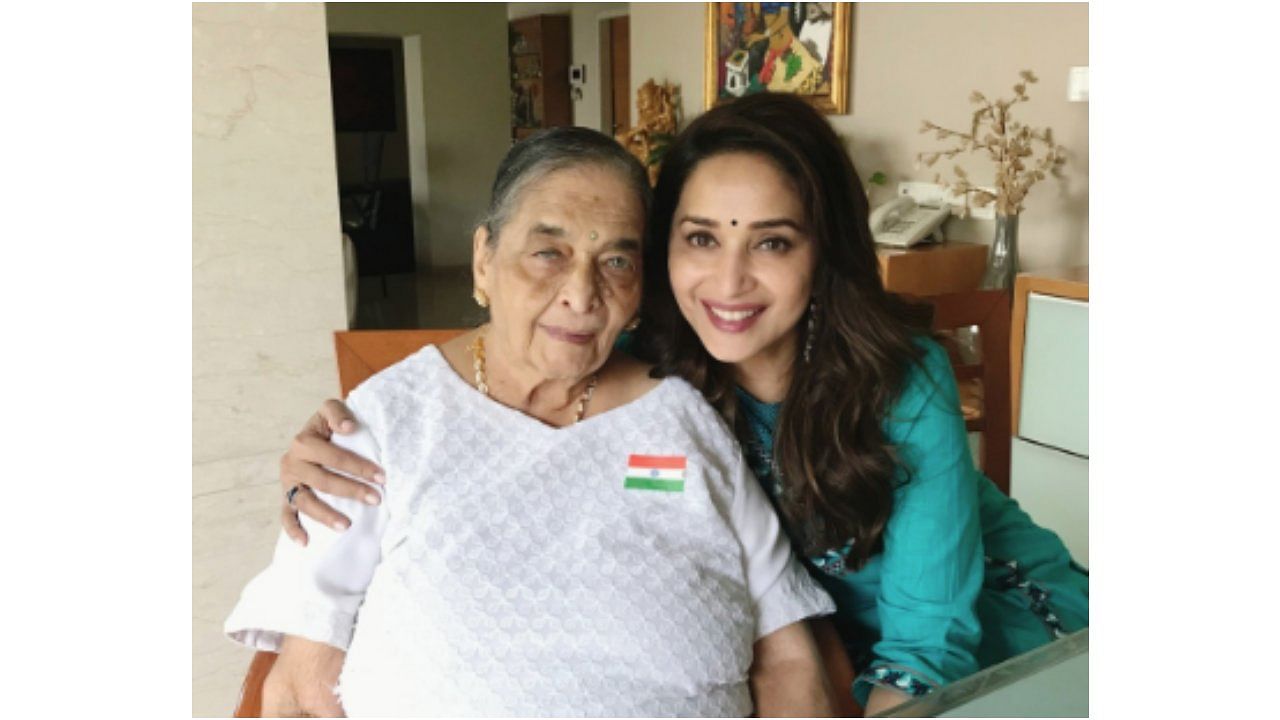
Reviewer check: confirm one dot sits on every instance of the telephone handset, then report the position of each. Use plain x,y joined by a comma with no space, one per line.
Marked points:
903,223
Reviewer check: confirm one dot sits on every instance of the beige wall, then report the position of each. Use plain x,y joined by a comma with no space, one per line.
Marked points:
267,292
466,103
917,61
515,11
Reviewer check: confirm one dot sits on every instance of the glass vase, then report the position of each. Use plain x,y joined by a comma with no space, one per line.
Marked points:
1002,260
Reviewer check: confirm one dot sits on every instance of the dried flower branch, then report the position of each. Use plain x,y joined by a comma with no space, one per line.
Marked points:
1007,143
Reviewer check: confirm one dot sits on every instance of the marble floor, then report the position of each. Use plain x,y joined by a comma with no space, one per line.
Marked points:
235,502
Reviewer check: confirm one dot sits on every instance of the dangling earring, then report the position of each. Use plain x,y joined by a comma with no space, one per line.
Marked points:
480,297
808,338
633,325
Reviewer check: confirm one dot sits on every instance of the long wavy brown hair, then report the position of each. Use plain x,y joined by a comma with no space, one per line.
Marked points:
830,450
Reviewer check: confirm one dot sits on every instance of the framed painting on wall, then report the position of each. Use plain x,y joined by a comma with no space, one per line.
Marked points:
800,48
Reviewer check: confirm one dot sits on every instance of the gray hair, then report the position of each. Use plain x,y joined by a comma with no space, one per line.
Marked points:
554,149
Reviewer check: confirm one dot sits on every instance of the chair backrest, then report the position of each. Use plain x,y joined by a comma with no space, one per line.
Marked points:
985,384
250,703
363,353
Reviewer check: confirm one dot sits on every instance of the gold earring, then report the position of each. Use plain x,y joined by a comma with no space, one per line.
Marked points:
633,325
480,297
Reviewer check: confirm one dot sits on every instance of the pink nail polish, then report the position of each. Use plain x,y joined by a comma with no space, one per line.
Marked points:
371,499
379,477
339,526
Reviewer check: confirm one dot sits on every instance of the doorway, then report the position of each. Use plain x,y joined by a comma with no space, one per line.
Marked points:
372,148
615,73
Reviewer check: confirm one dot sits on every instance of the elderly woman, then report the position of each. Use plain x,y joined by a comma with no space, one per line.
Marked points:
557,533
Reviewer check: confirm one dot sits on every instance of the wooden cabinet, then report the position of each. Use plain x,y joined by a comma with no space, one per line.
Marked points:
538,49
1050,367
926,270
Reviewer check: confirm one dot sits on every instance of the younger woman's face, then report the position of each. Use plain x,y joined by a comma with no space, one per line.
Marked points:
741,258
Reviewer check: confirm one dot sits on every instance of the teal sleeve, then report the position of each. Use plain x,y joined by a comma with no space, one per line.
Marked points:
932,568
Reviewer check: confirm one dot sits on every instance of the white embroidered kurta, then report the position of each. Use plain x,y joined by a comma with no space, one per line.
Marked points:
513,569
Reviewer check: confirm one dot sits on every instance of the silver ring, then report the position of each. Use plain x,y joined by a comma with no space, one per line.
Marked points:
293,492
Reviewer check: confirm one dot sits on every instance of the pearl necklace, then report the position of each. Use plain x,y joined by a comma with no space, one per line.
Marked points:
477,355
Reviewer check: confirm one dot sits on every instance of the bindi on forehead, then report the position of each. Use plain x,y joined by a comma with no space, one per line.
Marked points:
761,224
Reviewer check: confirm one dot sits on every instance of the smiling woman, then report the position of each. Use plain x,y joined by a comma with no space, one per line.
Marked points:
739,242
762,289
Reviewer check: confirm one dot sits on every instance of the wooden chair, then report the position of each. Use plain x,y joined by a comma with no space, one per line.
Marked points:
985,385
361,354
364,353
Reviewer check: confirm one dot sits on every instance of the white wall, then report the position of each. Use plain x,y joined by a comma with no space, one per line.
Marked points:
267,293
917,61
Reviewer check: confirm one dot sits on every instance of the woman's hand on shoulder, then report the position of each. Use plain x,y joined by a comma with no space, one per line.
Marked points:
305,466
302,681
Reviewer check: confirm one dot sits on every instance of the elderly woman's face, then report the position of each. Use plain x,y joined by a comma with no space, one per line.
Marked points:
564,278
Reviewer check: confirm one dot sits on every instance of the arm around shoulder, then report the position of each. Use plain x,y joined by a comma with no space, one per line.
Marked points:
315,591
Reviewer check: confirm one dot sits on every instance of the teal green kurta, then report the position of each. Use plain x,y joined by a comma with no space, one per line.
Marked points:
966,579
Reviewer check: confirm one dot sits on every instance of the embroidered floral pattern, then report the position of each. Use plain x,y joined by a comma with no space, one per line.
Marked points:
761,417
761,461
1037,595
896,678
832,562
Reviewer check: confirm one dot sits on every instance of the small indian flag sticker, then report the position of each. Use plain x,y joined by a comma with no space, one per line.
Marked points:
664,473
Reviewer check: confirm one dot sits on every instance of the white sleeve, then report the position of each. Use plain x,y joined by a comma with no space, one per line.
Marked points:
782,590
315,591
